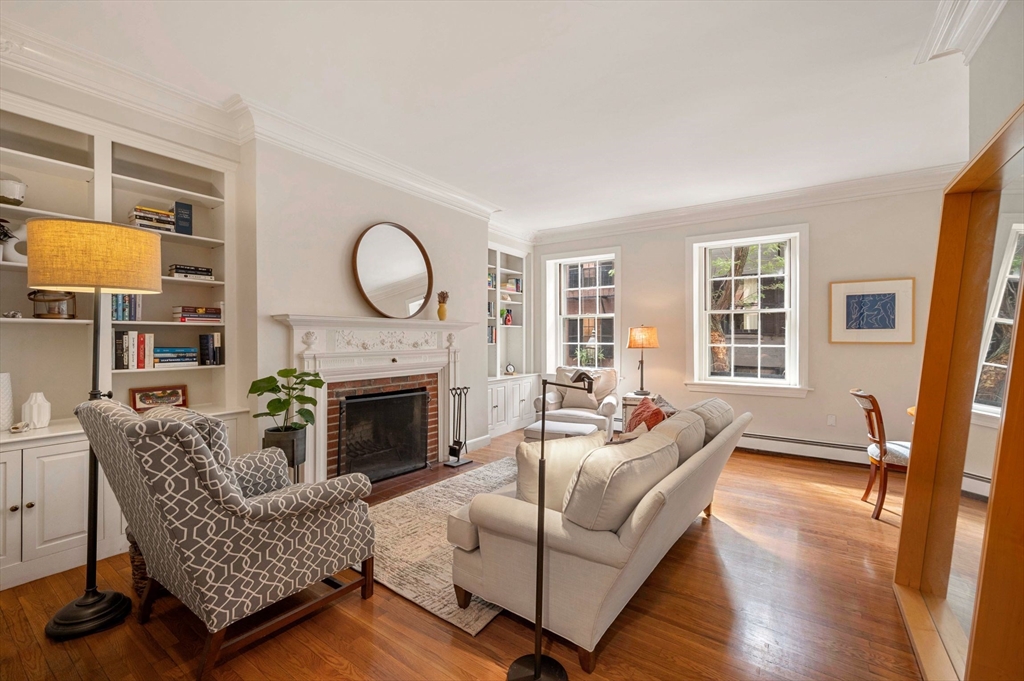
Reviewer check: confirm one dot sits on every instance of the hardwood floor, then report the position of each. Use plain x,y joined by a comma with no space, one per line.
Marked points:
790,579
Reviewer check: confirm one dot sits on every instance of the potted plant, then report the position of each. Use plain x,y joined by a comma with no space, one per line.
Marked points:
290,409
5,236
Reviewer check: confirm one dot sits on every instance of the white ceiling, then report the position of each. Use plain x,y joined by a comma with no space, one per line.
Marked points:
563,113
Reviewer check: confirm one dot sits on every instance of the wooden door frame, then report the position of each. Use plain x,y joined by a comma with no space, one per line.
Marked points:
945,398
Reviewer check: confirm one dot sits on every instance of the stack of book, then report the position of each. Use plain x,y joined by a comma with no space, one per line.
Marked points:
211,352
133,350
194,315
125,307
175,357
151,218
190,272
492,335
490,309
514,284
492,280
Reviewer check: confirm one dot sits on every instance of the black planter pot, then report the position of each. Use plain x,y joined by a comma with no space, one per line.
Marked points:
291,442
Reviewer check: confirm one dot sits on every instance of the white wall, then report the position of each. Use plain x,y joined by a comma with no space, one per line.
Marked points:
997,75
890,237
308,217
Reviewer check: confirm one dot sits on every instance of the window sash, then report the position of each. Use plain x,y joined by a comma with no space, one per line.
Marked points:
993,318
584,285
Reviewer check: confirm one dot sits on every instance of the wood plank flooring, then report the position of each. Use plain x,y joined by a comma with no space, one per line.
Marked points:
789,580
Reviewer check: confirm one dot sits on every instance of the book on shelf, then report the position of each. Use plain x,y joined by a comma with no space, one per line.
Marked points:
185,309
151,218
492,280
189,269
183,275
182,213
145,224
210,351
197,320
125,307
196,314
175,356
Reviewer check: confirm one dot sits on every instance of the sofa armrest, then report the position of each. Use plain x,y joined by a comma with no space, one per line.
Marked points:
518,519
307,497
609,405
261,472
553,398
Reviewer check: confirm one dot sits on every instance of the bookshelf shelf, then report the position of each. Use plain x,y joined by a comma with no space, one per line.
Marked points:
163,191
44,164
163,369
14,266
503,265
192,282
178,324
32,320
24,213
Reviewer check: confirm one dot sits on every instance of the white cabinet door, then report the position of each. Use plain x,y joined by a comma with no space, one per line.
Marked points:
56,496
10,506
529,413
500,405
515,405
491,406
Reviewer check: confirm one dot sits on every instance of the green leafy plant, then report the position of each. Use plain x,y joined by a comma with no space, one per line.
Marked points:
585,356
290,402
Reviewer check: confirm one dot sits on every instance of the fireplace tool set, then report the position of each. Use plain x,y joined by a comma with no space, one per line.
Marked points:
459,417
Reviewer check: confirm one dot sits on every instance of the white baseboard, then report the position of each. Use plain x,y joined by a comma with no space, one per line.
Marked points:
478,443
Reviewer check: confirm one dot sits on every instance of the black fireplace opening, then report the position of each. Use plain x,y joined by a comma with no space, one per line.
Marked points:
384,434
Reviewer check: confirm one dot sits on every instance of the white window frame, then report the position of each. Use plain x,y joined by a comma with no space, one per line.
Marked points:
796,383
551,265
984,414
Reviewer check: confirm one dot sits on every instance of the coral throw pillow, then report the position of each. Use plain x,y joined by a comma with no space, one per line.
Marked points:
646,412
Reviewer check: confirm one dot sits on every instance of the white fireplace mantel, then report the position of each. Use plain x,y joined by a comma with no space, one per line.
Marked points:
349,348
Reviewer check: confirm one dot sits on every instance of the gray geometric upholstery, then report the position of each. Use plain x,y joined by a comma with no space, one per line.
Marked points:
226,537
896,452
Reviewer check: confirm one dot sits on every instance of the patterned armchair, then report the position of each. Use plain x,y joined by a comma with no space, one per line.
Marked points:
226,536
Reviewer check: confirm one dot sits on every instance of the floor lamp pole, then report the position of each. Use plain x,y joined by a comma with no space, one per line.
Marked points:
94,610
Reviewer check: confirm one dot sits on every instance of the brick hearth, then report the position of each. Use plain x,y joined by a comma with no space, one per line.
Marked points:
336,392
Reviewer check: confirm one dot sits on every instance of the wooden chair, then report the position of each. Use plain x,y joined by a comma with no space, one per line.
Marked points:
883,454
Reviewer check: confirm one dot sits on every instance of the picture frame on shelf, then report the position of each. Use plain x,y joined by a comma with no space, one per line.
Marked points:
144,399
872,311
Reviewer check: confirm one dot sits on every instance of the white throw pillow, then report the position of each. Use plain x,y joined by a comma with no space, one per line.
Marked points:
574,399
687,429
562,458
611,480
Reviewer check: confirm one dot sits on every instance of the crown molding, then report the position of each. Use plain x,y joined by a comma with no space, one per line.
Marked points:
959,26
498,227
909,182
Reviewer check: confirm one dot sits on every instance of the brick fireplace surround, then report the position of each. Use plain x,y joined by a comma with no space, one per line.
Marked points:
339,390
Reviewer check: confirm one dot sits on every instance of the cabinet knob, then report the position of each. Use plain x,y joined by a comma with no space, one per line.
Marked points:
14,508
30,504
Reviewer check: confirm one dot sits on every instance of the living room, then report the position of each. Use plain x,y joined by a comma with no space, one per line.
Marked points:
701,226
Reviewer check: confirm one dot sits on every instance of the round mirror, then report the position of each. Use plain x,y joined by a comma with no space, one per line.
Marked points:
392,270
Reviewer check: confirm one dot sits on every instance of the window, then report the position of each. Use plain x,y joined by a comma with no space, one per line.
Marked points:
995,348
586,312
746,302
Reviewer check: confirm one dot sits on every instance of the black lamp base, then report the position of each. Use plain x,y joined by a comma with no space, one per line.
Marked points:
641,392
550,669
92,612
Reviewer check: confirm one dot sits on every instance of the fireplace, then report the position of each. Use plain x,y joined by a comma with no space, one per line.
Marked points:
383,434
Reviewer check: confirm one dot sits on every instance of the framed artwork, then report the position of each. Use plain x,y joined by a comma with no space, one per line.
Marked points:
142,399
874,311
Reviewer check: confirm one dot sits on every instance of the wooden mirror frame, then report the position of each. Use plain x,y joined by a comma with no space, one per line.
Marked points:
426,259
945,399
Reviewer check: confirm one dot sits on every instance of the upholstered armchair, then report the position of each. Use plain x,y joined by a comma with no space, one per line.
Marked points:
576,406
226,536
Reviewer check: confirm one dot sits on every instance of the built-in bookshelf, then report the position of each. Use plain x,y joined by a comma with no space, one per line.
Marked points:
93,175
507,315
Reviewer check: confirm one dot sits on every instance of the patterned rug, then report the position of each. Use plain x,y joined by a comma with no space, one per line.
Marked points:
413,557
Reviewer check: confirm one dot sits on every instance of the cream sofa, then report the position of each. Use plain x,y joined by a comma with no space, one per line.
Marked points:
576,406
590,574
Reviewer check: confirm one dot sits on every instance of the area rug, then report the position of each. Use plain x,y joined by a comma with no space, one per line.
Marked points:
413,557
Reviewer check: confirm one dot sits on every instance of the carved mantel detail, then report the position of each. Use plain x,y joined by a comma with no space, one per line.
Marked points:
376,341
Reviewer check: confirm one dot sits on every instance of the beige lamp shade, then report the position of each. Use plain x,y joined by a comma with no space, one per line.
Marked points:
643,337
83,256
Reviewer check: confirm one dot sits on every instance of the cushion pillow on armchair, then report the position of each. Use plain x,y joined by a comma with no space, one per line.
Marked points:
563,458
645,412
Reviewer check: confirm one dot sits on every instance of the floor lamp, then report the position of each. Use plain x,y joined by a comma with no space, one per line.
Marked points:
92,257
538,666
642,337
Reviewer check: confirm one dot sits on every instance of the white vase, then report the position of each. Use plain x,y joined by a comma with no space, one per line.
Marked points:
6,403
16,250
36,411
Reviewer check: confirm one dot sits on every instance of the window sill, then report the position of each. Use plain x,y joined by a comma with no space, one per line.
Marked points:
985,419
794,391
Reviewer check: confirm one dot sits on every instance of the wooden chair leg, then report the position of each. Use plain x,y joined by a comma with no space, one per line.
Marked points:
149,596
367,588
588,659
707,511
882,485
871,481
211,651
462,596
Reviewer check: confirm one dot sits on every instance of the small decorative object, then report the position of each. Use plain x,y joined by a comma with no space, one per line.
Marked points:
442,305
506,298
289,402
13,314
21,427
36,411
643,337
16,244
5,235
53,304
873,311
6,402
12,190
510,369
508,317
309,339
460,420
141,399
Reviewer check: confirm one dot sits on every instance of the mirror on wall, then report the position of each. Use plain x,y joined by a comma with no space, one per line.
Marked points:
392,270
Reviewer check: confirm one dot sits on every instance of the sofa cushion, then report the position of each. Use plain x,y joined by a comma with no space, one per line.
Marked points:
687,429
645,412
717,415
664,405
563,458
611,480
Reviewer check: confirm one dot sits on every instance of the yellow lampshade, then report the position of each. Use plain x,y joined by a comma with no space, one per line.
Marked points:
83,256
643,337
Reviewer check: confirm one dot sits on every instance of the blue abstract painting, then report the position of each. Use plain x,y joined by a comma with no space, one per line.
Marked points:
871,311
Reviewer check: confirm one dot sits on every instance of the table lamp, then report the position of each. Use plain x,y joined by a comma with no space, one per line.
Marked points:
643,337
92,257
540,667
